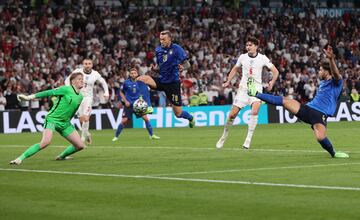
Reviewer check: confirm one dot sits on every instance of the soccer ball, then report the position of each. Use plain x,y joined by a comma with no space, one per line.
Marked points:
140,106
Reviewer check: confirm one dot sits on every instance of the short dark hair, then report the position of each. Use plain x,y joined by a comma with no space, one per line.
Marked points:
74,75
253,40
133,69
166,32
325,65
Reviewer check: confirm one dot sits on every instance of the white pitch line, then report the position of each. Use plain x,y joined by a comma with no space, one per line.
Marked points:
180,148
189,180
254,169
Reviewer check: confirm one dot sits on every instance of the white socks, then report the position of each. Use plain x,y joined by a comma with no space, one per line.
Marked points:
251,128
84,130
221,141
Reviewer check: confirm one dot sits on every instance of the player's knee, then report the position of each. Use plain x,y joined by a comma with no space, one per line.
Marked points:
79,146
320,136
232,115
178,114
255,112
44,144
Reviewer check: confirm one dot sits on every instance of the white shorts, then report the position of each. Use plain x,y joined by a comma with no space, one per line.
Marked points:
85,107
242,99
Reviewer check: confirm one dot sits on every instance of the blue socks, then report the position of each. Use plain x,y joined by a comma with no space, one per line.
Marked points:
271,99
326,144
149,128
118,130
186,115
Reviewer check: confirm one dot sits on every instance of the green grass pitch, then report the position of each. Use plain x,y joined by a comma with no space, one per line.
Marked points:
285,175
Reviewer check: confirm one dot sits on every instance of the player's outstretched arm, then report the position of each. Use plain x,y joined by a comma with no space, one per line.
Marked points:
185,65
123,97
231,75
275,75
334,71
22,97
105,87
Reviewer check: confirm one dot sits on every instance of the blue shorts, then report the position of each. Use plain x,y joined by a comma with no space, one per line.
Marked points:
172,91
311,116
128,111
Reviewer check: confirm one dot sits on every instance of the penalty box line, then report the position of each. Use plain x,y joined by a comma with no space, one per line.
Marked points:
187,179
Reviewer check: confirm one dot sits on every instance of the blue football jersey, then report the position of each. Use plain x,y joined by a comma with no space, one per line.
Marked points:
168,60
327,96
134,89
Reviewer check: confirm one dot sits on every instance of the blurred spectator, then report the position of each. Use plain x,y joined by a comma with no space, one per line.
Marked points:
194,100
40,46
354,95
2,101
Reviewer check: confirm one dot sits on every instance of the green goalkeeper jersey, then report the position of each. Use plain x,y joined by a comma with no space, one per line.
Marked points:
66,104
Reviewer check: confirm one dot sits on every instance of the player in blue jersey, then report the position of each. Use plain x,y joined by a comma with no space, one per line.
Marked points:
130,92
323,105
171,59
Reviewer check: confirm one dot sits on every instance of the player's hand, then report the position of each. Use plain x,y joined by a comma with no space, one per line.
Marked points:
22,97
270,86
226,84
329,52
181,67
154,67
127,104
106,97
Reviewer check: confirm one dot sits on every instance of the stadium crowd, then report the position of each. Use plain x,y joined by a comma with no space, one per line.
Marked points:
41,45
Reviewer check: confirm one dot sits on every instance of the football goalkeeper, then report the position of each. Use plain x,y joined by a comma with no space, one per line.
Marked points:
58,118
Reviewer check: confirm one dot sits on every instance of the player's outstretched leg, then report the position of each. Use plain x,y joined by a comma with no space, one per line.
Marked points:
179,113
149,129
320,134
28,153
188,116
271,99
77,145
118,132
66,153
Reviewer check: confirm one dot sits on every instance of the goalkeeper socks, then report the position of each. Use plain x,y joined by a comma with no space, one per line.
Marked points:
149,128
30,151
271,99
326,144
186,115
68,151
118,130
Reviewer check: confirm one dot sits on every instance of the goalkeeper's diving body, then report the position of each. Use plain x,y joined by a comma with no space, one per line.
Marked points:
131,91
58,118
323,105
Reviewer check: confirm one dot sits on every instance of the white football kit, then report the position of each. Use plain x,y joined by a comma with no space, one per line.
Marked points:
88,89
250,67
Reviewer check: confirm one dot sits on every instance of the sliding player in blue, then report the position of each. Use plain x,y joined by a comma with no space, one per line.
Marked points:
322,106
130,92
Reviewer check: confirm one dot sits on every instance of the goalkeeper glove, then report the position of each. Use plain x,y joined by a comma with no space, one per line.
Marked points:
25,97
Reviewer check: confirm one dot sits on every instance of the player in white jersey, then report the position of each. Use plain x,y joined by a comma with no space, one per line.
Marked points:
90,77
251,65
